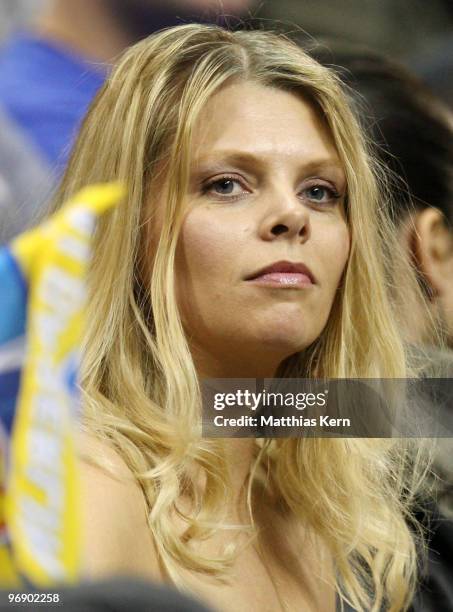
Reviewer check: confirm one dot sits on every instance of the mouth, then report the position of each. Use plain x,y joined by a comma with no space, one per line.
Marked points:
284,274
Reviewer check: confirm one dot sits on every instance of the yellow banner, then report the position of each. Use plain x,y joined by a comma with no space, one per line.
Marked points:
42,520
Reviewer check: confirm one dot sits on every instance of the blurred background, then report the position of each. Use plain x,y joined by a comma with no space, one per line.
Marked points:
55,55
407,29
415,32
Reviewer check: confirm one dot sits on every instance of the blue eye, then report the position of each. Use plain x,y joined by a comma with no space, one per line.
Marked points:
316,193
224,187
321,194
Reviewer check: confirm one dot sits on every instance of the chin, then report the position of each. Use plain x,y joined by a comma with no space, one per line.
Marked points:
289,327
285,340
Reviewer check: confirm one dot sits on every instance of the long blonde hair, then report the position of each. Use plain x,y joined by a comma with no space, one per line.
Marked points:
140,386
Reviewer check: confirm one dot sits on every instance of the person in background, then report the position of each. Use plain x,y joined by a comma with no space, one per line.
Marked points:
412,135
436,68
411,132
25,183
50,73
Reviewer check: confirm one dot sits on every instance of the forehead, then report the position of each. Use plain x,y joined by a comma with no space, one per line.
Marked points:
263,121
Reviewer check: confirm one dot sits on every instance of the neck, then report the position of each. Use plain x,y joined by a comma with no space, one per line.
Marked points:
91,33
240,456
220,364
240,453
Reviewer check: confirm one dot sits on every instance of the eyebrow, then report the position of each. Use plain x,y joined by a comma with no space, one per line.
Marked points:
253,161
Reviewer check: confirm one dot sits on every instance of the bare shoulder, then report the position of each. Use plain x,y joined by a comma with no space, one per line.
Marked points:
103,458
115,533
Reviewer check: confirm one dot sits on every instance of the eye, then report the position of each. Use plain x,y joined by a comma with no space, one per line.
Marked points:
224,187
321,194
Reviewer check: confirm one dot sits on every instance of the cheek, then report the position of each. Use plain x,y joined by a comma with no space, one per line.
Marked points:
202,245
206,251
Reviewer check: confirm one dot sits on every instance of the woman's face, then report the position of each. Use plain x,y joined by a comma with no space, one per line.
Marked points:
264,241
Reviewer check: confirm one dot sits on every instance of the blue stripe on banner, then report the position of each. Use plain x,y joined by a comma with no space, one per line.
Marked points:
9,388
13,297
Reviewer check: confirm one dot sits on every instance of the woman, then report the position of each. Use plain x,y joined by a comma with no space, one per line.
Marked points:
249,245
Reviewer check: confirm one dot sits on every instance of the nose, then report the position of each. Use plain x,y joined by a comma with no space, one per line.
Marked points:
286,217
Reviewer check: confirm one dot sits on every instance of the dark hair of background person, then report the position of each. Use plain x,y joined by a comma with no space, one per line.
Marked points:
411,132
411,129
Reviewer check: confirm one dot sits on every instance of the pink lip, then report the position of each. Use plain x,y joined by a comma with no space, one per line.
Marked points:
284,274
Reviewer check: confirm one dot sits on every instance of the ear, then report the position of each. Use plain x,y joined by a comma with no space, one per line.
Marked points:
432,248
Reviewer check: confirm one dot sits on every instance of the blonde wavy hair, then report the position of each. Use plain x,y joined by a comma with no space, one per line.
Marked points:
140,386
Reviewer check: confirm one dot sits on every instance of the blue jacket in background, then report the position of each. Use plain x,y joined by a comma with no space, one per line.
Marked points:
45,90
